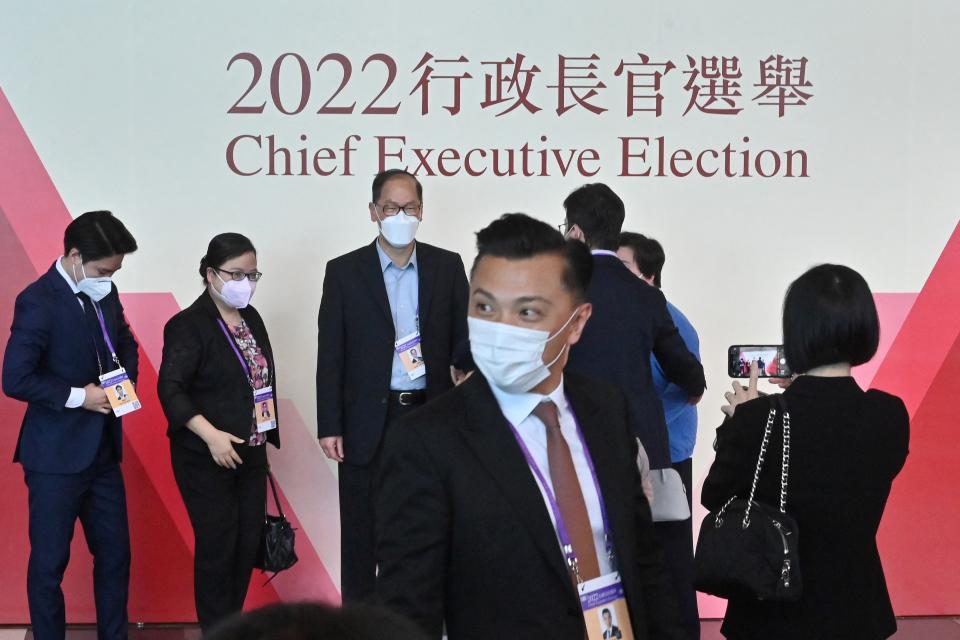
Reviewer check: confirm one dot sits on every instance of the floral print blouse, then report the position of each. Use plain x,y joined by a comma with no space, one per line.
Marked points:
259,371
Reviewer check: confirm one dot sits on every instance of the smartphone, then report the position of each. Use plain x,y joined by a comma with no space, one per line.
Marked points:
769,357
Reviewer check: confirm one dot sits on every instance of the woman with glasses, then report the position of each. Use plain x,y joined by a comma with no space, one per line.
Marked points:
217,370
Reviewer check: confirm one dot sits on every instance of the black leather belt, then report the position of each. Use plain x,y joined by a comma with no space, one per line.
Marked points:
408,398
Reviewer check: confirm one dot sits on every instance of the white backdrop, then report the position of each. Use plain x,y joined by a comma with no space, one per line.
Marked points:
126,104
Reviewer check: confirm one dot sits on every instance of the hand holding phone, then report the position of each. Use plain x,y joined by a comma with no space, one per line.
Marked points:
740,393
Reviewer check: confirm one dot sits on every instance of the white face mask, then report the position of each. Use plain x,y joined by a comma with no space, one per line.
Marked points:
399,230
235,294
510,357
96,288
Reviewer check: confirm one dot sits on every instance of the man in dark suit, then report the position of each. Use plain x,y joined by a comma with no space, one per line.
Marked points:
473,483
379,301
610,630
70,442
630,320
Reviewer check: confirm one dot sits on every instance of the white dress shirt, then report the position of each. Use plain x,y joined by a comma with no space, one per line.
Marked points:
77,394
518,410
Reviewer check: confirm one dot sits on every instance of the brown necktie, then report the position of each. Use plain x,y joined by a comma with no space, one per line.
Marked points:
566,488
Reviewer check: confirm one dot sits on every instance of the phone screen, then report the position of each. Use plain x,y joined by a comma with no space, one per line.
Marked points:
769,359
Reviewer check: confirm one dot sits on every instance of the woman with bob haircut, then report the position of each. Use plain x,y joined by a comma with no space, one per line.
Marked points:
847,446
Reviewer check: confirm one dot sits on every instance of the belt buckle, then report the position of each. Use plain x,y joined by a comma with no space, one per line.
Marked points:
406,398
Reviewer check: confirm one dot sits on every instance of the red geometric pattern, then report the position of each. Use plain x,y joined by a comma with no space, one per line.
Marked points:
32,217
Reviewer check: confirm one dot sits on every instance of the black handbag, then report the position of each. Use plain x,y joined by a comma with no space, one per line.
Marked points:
277,551
748,549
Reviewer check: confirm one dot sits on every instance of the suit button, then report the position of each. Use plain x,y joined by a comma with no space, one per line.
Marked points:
383,401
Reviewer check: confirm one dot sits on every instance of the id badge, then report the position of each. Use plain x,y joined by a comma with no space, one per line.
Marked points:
604,607
119,389
264,409
411,355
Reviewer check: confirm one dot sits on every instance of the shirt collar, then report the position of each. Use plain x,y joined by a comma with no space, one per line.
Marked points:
385,260
73,285
517,407
604,252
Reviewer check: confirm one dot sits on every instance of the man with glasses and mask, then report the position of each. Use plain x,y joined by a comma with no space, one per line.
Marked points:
512,506
379,302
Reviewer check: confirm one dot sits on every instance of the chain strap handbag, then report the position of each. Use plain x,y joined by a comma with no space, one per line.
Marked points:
277,551
748,549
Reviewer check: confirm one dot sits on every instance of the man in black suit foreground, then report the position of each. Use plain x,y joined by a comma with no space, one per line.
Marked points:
472,484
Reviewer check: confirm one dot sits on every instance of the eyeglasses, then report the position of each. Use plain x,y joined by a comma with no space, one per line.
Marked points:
237,276
392,209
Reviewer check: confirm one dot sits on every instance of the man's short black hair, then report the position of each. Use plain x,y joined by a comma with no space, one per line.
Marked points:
314,621
599,213
384,176
647,254
96,235
517,236
829,316
606,612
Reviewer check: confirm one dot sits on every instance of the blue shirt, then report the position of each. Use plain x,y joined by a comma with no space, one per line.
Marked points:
681,416
403,290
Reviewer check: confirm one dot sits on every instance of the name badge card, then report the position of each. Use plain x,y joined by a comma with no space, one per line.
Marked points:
264,409
411,355
605,608
119,389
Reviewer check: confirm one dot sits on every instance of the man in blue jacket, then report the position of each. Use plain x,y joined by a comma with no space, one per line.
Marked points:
68,331
645,258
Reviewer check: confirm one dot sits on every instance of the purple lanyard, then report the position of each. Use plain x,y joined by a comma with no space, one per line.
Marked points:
106,337
562,533
233,343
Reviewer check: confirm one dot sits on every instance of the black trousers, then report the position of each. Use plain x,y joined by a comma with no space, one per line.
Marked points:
358,565
97,497
676,539
226,508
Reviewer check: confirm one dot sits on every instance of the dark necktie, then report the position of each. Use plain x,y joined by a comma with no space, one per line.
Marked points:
96,333
566,488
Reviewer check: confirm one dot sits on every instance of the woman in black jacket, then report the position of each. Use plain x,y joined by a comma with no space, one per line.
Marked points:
217,385
847,446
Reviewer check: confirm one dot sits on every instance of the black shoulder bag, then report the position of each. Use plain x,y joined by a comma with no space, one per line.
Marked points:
276,548
748,549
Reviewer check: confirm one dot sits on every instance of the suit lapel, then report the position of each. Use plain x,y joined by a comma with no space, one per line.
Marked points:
372,274
596,427
492,440
76,320
427,273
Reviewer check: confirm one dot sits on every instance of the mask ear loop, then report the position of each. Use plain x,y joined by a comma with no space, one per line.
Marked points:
576,312
73,268
565,324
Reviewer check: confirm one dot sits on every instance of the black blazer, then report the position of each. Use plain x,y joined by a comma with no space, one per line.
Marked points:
51,349
201,375
630,320
356,337
846,447
463,534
